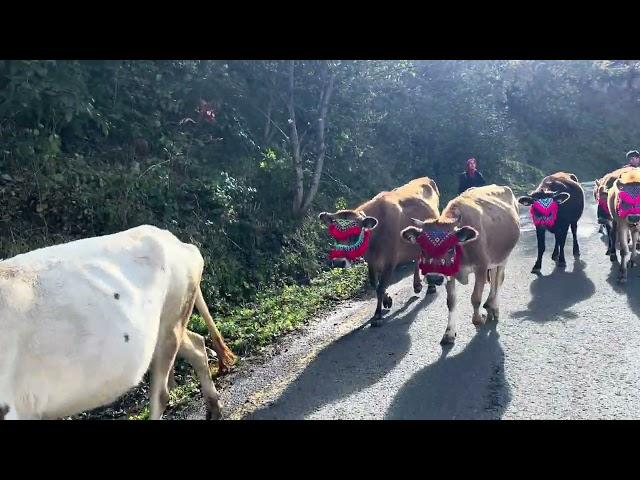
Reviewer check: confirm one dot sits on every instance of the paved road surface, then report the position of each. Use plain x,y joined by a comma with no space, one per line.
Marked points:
567,346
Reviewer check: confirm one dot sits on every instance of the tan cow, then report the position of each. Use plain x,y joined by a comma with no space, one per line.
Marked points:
624,206
81,323
476,233
601,194
372,231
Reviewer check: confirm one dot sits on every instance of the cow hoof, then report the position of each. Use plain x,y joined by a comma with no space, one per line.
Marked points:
387,302
215,414
536,269
417,288
554,256
492,314
448,339
630,264
479,320
431,289
613,258
561,264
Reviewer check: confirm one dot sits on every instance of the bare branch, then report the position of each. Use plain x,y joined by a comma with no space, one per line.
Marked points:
267,127
315,181
295,143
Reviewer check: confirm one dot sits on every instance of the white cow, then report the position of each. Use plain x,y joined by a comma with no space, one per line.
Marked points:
81,323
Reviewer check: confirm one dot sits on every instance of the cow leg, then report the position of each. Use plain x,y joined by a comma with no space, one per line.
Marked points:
613,256
634,240
556,248
373,281
561,237
491,305
624,250
8,412
540,235
610,248
417,285
193,351
476,297
383,298
171,381
387,301
163,359
450,333
574,235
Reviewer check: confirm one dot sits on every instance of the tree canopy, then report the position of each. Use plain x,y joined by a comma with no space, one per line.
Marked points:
239,156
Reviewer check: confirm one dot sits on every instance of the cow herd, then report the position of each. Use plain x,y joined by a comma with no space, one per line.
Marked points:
82,322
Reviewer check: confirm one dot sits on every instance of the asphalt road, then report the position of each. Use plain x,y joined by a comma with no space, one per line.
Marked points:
567,346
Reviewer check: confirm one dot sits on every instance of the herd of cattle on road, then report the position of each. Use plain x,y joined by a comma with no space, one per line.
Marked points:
82,322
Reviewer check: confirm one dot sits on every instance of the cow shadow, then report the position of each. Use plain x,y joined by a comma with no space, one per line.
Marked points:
469,385
400,273
351,363
630,288
553,295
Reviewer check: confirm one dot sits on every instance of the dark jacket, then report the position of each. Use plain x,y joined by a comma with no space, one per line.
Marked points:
467,182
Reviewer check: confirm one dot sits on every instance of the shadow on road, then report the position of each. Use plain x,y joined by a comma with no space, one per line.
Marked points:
470,385
353,362
630,288
552,296
400,273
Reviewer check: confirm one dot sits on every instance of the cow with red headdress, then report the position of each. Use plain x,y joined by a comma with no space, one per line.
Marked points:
624,205
601,195
372,232
475,233
556,205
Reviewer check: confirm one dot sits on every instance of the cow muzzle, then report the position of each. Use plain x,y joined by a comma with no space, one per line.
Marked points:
340,263
435,279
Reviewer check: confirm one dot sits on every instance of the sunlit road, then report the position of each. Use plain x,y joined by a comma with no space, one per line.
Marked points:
567,346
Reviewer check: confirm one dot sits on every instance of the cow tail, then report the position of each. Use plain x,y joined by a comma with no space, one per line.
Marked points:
226,358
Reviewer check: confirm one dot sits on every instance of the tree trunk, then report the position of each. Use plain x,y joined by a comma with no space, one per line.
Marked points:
298,191
315,181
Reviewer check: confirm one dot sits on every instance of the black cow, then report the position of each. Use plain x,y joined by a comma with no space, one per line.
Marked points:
556,205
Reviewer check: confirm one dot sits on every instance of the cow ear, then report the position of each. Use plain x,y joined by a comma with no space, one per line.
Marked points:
326,217
561,197
369,222
410,234
525,200
466,234
573,177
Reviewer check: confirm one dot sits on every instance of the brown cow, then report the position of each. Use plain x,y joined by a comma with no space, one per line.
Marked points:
372,231
476,232
624,205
